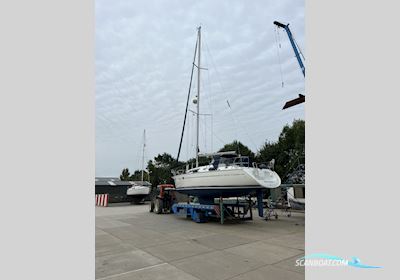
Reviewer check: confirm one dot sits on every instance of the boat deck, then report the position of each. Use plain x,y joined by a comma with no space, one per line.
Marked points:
132,243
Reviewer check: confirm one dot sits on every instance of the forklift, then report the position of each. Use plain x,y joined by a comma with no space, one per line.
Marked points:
162,199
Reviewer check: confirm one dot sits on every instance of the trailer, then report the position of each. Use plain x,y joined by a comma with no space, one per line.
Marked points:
166,200
222,209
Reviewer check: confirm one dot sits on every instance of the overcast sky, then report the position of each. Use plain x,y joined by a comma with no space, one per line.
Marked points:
144,53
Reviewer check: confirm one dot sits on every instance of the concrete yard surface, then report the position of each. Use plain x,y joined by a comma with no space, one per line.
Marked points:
132,243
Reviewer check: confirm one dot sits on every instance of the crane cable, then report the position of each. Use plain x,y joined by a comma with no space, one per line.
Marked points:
278,46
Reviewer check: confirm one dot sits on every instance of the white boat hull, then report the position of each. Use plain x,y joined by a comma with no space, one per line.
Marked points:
138,191
229,181
295,202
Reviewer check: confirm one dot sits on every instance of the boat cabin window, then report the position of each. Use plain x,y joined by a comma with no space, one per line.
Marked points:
225,161
242,161
229,160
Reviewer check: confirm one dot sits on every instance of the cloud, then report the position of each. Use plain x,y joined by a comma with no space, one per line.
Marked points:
144,51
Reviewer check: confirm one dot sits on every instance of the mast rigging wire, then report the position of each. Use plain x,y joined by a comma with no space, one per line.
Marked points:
234,121
187,101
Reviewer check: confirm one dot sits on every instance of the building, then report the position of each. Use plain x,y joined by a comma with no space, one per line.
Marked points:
114,187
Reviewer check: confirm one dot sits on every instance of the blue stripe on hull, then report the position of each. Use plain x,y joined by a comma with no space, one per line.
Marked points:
212,192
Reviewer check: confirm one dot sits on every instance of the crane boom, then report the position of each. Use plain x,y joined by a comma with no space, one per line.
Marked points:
296,51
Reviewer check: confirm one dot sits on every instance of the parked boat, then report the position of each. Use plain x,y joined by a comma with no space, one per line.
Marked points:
228,174
296,196
139,189
295,188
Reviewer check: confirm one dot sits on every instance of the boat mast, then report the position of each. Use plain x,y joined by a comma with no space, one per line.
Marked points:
198,99
144,145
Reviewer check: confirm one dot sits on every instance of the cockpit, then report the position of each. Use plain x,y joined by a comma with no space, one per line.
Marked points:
229,160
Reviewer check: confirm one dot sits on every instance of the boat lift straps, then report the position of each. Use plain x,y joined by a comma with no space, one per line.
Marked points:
301,97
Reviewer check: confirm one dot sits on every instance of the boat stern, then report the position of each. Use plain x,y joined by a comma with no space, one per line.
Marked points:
265,177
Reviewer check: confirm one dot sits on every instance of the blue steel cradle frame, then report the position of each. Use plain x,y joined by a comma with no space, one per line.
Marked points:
201,213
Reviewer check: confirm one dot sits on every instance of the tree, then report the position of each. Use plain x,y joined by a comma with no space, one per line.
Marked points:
160,169
125,176
288,151
163,160
137,175
160,175
202,161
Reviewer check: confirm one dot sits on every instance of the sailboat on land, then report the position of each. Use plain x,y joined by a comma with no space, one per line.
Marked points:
228,174
139,189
